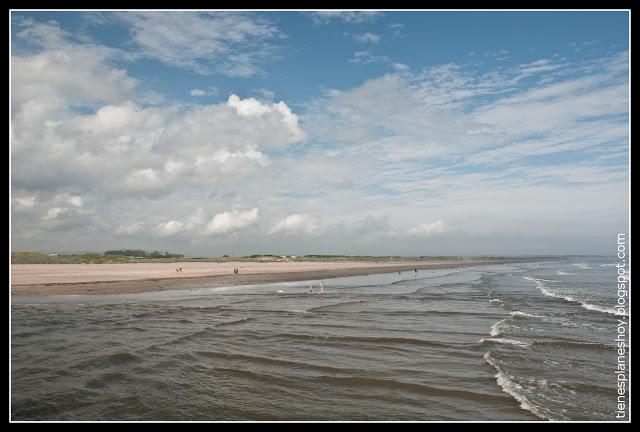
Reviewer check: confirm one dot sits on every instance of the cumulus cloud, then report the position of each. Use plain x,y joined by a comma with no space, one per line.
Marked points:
127,149
296,224
94,160
231,221
63,73
104,141
169,228
252,108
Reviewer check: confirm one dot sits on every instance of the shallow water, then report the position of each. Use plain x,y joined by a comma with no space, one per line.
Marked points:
484,343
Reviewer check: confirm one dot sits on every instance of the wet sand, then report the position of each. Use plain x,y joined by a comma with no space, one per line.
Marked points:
52,279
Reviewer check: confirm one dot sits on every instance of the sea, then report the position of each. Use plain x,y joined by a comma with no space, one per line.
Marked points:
530,341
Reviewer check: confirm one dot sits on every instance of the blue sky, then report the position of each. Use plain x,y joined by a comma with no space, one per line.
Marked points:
320,132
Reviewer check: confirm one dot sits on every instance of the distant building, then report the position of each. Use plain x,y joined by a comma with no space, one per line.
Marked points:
53,254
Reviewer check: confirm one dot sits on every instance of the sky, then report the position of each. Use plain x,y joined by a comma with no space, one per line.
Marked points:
320,132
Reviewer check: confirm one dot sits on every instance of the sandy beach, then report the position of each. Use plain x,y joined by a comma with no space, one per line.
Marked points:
49,279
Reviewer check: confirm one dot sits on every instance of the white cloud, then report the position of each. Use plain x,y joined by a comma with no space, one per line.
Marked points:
27,201
251,107
400,67
474,147
55,212
231,221
131,229
196,219
65,73
145,181
296,224
348,17
428,229
208,92
397,30
366,37
365,57
75,201
227,43
169,228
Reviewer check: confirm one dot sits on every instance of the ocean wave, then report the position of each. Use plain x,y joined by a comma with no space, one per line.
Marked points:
238,321
506,341
357,381
538,280
255,375
602,309
565,343
562,273
589,306
235,357
497,328
121,358
584,304
513,388
519,314
328,307
377,340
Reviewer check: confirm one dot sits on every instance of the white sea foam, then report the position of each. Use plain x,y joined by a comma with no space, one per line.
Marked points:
512,388
507,341
495,300
539,280
562,273
497,328
601,309
525,315
589,306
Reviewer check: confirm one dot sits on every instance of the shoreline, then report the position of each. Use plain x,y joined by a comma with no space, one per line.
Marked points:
224,280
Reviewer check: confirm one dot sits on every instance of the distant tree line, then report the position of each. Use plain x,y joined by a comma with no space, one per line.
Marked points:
142,253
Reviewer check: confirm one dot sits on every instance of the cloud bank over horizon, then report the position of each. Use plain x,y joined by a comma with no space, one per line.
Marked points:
177,135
